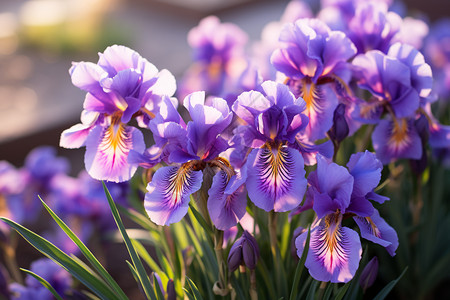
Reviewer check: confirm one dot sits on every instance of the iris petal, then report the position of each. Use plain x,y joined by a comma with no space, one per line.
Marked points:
167,199
375,229
276,178
107,151
334,251
226,207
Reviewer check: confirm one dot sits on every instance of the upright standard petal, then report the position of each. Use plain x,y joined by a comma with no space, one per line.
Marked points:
366,171
167,197
276,178
334,251
107,151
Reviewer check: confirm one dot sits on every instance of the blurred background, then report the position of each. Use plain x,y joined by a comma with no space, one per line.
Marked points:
40,38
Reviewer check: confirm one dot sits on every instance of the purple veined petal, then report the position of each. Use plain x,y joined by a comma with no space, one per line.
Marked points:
225,208
167,199
369,112
366,171
334,251
321,102
75,136
276,178
396,139
107,150
375,229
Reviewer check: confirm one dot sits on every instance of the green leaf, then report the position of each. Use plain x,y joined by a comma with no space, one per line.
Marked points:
387,289
142,275
201,220
300,267
342,291
44,283
85,276
87,253
312,290
194,289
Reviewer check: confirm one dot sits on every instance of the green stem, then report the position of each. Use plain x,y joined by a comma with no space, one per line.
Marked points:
221,286
273,233
253,291
322,287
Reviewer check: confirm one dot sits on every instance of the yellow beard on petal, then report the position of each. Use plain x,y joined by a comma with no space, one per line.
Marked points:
399,138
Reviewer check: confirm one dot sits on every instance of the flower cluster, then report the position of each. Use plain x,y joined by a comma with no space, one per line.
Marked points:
245,136
253,136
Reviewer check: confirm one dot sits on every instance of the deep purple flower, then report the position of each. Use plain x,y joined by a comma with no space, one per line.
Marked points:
120,86
245,251
167,197
275,169
312,55
373,27
335,192
437,52
390,82
192,145
334,251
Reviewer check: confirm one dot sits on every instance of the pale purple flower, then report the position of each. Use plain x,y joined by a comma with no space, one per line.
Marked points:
275,169
121,86
335,192
310,57
219,57
193,146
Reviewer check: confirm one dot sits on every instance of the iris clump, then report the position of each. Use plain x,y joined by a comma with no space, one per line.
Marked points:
296,155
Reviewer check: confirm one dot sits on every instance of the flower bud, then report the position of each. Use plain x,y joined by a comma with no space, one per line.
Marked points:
340,129
245,251
369,274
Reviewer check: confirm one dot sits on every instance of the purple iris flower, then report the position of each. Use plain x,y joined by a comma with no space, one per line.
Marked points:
219,57
373,27
335,192
275,169
41,166
311,56
437,52
193,146
390,82
58,278
121,86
